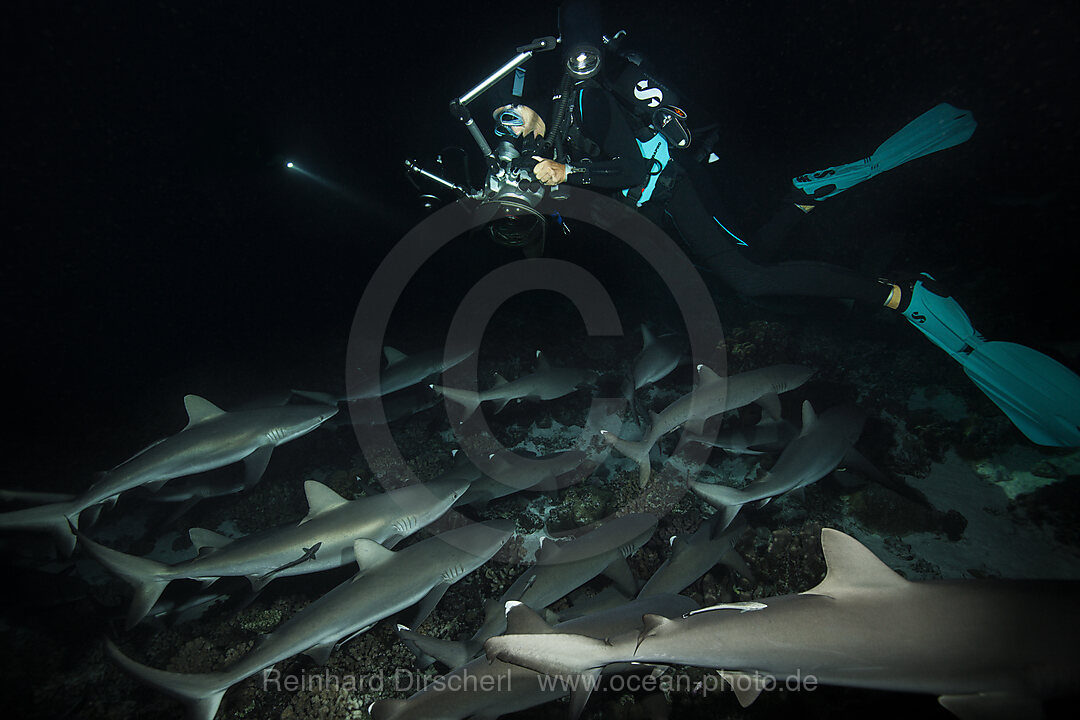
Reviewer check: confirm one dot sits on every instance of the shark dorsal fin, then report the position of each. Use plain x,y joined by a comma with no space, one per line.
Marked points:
809,417
541,362
207,539
647,338
706,375
200,409
850,565
499,380
547,552
393,356
369,554
320,499
523,620
650,625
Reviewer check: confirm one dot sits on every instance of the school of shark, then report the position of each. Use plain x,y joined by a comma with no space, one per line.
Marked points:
700,514
571,613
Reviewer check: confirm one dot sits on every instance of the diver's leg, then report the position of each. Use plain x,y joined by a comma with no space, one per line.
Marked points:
716,249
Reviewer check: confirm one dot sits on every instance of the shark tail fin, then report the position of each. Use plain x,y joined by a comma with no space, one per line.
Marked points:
467,399
202,692
721,497
636,451
148,577
53,518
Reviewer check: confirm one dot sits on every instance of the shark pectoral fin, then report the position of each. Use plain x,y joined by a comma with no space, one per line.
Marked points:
425,606
581,692
734,560
991,705
319,397
321,653
747,686
620,574
452,653
857,462
720,521
255,465
770,405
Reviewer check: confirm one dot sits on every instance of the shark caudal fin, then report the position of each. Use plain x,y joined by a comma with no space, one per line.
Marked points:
201,692
719,496
469,400
148,577
52,518
636,451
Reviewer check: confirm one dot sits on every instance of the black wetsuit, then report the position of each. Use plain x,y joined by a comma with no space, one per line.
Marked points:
616,163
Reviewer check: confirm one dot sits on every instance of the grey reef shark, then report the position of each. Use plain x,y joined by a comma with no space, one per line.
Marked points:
387,582
712,396
486,690
546,382
332,523
211,439
822,445
986,648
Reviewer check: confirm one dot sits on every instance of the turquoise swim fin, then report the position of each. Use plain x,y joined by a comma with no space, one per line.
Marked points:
941,127
1040,395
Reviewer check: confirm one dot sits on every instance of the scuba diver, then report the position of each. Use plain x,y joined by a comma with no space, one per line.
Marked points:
622,131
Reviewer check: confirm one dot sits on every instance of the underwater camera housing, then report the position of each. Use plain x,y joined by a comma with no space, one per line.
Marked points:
512,194
509,193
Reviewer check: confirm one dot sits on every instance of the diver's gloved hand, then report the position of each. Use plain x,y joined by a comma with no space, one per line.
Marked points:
549,172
